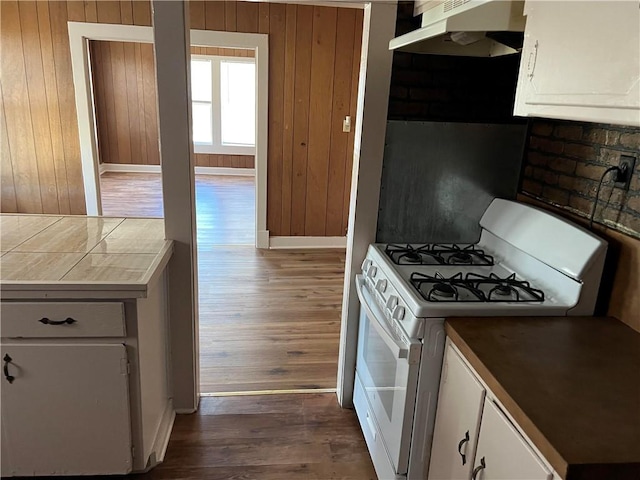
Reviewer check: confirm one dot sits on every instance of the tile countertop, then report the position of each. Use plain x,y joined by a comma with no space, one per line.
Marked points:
48,256
571,383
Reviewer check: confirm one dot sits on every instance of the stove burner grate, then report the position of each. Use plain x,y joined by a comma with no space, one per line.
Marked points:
437,254
474,288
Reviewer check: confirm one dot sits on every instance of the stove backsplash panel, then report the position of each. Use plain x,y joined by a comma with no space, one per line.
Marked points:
439,177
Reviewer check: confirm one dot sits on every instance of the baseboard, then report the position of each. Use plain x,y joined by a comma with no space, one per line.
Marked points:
164,432
102,168
133,168
307,242
130,168
243,172
262,240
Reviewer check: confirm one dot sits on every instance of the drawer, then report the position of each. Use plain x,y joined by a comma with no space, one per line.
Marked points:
62,319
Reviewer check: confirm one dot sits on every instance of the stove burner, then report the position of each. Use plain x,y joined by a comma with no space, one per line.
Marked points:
412,257
443,291
504,290
460,258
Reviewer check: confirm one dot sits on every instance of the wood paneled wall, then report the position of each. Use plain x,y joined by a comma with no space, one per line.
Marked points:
41,168
314,59
124,82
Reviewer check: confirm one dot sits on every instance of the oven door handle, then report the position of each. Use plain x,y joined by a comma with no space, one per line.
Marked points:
401,349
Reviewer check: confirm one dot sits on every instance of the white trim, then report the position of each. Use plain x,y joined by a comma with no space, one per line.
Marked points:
307,242
231,171
133,168
262,239
80,32
296,391
129,168
370,128
102,167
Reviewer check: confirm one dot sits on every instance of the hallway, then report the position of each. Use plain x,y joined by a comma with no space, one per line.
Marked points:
269,319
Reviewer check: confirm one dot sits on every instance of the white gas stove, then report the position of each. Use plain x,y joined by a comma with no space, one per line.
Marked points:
526,262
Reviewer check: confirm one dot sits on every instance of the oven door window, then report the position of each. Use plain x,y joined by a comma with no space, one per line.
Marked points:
389,380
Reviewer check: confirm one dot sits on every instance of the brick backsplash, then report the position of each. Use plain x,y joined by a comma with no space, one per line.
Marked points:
564,163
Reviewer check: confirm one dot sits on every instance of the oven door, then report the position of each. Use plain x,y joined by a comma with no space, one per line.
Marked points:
387,363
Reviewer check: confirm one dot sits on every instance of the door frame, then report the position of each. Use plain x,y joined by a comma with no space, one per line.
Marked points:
79,35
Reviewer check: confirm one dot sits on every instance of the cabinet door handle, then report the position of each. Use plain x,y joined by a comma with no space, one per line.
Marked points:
66,321
7,360
531,63
477,470
461,444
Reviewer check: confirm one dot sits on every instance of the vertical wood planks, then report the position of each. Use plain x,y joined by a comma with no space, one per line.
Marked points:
66,99
310,92
287,142
17,112
342,74
196,14
322,66
277,27
246,17
301,119
8,192
355,77
53,107
38,106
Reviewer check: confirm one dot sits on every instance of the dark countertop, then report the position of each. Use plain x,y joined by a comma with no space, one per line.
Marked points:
571,383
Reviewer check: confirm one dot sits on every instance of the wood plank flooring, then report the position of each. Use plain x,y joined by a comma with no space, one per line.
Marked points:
225,205
269,319
265,437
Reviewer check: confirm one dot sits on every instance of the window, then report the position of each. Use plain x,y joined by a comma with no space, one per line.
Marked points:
223,104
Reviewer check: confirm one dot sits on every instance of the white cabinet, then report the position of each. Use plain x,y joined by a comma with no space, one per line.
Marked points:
70,404
581,61
502,452
457,420
85,386
473,439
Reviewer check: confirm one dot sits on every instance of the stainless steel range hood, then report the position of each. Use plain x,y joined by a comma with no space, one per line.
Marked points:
476,28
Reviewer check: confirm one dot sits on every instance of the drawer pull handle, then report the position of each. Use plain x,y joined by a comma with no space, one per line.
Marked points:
462,442
7,360
66,321
477,470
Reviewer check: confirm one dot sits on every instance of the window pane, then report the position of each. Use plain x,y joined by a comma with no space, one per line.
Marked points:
238,100
201,80
201,113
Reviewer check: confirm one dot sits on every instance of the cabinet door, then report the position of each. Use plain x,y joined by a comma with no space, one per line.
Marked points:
457,420
66,412
581,60
502,453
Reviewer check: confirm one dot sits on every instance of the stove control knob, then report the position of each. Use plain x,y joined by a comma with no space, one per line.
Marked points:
373,271
365,265
392,303
398,313
381,286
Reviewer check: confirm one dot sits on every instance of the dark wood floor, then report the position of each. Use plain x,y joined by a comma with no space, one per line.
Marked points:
265,437
269,319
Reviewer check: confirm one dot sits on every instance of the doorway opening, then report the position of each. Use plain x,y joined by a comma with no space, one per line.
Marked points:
120,96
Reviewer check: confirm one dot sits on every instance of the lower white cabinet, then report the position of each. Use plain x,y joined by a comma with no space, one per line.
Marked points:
457,420
502,453
473,439
68,403
85,387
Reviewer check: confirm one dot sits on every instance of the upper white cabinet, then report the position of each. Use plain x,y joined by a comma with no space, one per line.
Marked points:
581,61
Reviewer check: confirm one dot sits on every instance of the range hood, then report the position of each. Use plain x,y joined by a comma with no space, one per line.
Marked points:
474,28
